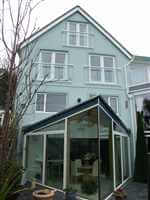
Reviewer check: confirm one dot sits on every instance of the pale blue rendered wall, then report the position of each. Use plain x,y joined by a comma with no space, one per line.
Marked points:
78,57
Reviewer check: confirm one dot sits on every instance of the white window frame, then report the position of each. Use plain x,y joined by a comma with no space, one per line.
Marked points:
45,96
109,100
1,117
103,68
77,34
52,66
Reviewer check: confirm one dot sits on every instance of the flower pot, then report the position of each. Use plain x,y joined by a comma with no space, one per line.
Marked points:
70,196
43,194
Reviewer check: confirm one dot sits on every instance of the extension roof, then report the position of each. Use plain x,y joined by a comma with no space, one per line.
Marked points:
73,111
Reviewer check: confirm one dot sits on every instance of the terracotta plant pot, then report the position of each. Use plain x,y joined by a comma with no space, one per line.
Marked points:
43,194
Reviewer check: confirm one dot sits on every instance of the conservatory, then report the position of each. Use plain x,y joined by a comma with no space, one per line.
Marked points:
86,147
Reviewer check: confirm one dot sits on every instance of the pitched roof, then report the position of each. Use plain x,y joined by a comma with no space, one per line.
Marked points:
89,18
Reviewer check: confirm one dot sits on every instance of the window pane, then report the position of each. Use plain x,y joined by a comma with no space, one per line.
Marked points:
72,27
82,160
109,76
34,158
83,40
113,104
96,75
83,28
118,160
40,102
54,160
72,39
106,155
108,62
59,72
95,60
46,71
55,102
60,58
46,57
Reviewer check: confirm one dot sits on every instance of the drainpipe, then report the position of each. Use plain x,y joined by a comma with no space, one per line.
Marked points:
131,98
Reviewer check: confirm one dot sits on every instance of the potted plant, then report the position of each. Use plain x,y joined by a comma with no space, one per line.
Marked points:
120,194
44,194
70,194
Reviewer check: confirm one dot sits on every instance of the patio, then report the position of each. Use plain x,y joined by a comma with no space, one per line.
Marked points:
135,191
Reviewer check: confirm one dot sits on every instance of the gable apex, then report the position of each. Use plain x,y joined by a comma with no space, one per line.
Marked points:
86,16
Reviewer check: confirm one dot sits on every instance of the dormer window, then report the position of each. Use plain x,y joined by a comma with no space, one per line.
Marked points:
77,34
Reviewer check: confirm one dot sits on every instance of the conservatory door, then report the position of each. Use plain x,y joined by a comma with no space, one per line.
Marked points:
122,159
54,159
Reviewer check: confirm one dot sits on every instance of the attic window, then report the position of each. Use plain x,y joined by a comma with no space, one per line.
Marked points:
77,34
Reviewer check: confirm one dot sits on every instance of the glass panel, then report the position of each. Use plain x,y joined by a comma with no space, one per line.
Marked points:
108,62
60,58
72,27
106,155
54,160
34,157
95,74
109,75
118,159
83,28
55,102
56,126
40,102
83,40
46,57
95,61
47,71
113,103
59,72
72,39
125,152
83,158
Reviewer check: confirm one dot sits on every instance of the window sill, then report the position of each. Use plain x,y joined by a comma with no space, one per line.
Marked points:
43,112
81,47
100,83
55,81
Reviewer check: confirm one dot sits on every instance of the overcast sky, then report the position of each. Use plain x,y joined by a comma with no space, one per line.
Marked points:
127,20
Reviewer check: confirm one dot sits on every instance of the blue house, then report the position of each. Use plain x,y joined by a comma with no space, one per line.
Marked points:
77,126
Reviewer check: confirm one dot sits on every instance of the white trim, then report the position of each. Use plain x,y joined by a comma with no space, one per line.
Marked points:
114,164
65,156
44,159
45,132
66,15
121,148
24,152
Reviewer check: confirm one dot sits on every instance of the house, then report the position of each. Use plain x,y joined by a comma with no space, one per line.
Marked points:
138,73
87,90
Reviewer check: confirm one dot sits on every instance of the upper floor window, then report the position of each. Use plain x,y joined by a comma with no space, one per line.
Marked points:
50,102
52,66
112,101
102,69
1,118
77,34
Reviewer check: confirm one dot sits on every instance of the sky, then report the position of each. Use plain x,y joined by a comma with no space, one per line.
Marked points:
127,20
